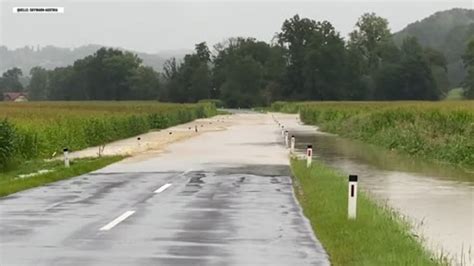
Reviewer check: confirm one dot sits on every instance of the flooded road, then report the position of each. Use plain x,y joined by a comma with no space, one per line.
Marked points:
224,197
437,199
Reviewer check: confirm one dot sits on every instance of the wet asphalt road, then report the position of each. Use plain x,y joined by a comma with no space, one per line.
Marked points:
221,198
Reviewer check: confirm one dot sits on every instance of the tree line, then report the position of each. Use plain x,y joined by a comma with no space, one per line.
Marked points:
307,60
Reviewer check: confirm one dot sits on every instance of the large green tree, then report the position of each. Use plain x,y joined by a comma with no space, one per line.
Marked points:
61,81
324,69
439,68
144,84
370,35
10,80
38,87
468,59
317,61
409,79
189,81
295,36
248,72
370,48
419,83
108,74
105,75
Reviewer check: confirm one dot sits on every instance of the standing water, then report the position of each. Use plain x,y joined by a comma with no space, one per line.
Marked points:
437,199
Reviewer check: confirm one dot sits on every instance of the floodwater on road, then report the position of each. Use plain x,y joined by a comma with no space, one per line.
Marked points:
224,197
438,199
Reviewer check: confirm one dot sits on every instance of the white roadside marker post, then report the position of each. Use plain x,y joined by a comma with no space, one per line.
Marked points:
138,141
66,157
309,155
352,204
286,139
292,144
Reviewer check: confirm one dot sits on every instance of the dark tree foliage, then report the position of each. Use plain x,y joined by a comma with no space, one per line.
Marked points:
39,85
308,60
108,74
144,84
189,81
371,32
10,81
417,78
439,68
409,79
468,59
247,72
319,65
294,36
105,75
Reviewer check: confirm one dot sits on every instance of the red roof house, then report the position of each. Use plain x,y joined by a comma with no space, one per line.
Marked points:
15,97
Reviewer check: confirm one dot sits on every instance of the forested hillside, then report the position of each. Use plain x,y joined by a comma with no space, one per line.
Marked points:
448,32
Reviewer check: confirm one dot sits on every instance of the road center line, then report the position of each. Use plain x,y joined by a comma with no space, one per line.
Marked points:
163,188
118,220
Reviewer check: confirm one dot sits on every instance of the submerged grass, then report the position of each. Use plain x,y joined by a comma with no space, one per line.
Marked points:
11,180
377,237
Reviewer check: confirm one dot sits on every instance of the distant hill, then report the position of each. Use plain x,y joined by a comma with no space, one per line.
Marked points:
447,31
51,57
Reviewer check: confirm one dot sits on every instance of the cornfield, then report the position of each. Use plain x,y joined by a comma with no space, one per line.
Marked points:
41,129
441,131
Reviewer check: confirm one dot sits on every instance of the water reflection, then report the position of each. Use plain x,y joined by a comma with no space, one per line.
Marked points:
437,198
334,149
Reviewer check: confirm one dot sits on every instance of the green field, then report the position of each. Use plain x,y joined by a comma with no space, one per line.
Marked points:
376,237
33,132
43,129
439,131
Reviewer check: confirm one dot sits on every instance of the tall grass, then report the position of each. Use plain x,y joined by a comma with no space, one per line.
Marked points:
442,131
7,147
377,237
41,129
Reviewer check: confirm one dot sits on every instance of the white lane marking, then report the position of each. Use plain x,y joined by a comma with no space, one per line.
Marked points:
118,220
163,188
166,186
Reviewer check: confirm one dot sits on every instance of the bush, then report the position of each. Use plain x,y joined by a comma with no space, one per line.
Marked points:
216,102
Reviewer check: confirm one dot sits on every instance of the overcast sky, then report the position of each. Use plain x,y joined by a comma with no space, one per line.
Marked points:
152,26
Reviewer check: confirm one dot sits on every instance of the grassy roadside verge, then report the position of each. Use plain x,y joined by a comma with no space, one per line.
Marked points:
11,182
376,237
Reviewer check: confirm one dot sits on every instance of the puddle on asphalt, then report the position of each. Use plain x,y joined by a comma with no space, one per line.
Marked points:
196,178
194,184
256,169
437,198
